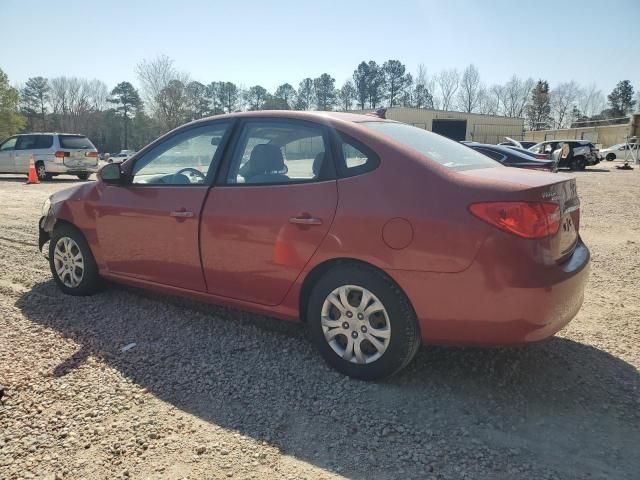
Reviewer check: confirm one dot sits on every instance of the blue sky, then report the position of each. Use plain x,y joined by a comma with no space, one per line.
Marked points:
272,42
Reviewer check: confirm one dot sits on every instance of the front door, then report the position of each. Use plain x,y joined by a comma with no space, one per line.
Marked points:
267,217
7,164
148,229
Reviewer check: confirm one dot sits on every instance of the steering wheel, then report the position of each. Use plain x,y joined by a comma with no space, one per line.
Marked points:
192,172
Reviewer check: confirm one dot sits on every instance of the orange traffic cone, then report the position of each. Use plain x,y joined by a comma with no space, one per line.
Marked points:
33,176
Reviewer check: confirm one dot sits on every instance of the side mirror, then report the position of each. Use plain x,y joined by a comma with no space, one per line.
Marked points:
111,174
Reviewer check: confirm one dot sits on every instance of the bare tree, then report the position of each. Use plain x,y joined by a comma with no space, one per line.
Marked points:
154,76
489,100
469,89
563,99
98,94
591,101
515,96
448,81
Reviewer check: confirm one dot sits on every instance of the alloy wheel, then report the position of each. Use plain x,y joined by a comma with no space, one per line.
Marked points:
355,324
68,262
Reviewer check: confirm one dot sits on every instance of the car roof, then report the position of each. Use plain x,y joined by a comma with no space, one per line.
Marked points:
301,115
50,133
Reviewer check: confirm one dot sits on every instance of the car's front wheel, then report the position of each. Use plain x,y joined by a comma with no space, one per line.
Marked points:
72,264
610,157
362,323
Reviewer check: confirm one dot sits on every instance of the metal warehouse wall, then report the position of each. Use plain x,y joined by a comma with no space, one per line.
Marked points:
480,128
605,135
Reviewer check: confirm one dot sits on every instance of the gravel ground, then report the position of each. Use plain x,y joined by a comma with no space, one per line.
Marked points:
213,393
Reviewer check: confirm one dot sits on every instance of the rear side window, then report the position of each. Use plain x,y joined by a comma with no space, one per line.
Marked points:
491,154
44,141
446,152
356,157
75,141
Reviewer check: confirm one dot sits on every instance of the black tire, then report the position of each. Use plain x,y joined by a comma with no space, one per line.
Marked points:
404,340
41,171
83,176
90,280
610,157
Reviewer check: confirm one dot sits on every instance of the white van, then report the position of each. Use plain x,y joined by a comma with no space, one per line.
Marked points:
53,154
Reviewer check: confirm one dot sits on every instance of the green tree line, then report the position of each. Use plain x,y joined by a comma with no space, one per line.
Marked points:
127,116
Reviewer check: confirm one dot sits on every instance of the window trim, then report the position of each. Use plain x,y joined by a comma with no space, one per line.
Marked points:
216,160
340,137
222,179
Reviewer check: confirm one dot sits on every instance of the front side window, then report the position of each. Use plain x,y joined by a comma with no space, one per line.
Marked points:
9,144
26,142
274,152
442,150
184,159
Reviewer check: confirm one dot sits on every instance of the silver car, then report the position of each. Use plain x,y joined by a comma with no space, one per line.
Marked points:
53,154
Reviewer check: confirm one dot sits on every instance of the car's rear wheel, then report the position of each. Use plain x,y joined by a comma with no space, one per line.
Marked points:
362,323
610,157
72,264
83,176
41,171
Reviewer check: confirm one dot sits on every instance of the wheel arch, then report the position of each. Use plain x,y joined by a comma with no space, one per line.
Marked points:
319,270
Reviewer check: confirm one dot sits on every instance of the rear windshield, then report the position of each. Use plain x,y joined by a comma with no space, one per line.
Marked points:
75,141
446,152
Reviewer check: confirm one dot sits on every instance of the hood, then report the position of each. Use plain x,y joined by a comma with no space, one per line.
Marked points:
73,193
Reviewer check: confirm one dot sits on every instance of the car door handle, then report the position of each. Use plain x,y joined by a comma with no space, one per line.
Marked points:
305,220
181,214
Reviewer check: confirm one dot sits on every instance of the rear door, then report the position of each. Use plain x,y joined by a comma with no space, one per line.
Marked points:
270,211
148,229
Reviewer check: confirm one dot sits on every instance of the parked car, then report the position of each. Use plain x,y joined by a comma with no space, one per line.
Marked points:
378,235
53,154
578,154
511,157
537,156
518,143
121,156
620,151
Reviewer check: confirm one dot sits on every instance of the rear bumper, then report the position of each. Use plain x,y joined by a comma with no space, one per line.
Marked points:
59,168
490,305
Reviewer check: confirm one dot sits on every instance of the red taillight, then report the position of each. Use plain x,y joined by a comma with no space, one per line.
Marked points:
59,154
91,154
543,156
525,219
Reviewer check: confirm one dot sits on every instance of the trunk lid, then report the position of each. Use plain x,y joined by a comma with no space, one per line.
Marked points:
78,151
513,184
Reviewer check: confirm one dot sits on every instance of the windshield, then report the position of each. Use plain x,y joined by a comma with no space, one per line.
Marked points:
446,152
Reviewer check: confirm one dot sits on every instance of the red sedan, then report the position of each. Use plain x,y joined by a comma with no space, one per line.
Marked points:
378,235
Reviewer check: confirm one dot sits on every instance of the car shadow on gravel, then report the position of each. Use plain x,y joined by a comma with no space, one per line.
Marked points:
23,179
561,406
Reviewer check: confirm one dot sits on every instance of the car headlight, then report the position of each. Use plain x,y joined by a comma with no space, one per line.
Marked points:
46,206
